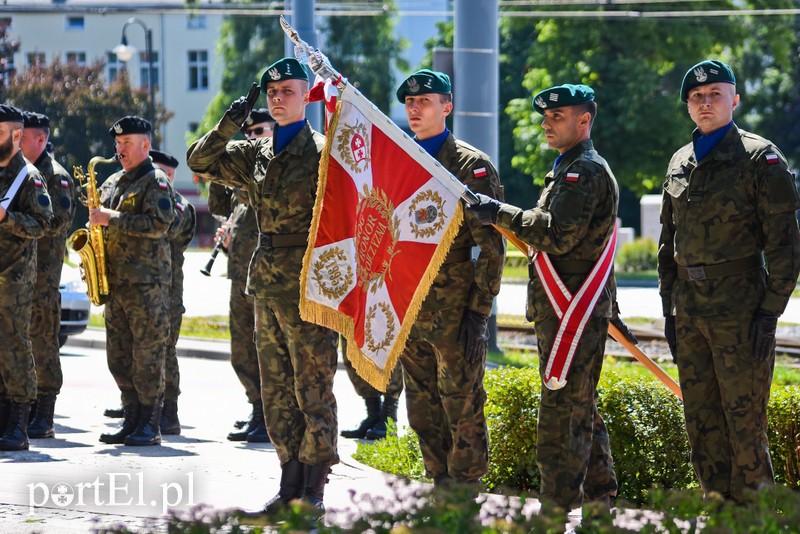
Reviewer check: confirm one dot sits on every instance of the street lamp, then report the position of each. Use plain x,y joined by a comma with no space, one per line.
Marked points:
124,53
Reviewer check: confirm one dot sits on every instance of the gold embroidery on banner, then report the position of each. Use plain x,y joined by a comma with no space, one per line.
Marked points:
327,268
369,339
376,235
352,143
428,219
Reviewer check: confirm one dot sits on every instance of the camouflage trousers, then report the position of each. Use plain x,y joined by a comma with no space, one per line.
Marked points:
573,451
297,362
363,388
725,395
17,368
445,397
45,324
137,329
172,373
244,357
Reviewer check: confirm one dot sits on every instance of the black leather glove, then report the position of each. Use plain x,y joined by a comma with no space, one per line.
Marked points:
486,210
240,108
623,328
672,336
762,333
473,332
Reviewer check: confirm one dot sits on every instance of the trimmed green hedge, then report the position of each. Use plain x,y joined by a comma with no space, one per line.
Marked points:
644,420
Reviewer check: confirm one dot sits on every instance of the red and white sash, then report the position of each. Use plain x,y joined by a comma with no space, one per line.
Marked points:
573,311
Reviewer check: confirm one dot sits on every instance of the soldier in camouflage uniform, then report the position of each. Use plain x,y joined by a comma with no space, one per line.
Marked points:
572,222
445,356
46,314
180,234
25,214
242,240
728,206
297,359
137,211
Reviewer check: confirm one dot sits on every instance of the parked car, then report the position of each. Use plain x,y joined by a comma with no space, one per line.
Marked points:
75,304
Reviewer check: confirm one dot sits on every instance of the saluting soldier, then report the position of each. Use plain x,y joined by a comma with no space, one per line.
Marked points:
180,234
572,229
137,211
728,260
297,359
46,315
25,214
445,356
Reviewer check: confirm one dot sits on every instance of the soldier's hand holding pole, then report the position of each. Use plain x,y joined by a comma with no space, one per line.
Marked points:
671,335
474,332
762,333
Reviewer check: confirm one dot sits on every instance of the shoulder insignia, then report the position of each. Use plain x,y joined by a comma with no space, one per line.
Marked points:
772,158
180,206
572,176
162,185
480,172
64,183
37,182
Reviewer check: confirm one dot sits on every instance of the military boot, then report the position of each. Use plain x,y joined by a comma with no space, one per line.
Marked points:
316,476
373,415
5,406
42,424
388,411
292,484
148,430
170,425
15,437
256,421
130,419
115,413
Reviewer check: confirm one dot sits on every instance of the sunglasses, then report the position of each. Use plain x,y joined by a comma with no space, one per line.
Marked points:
257,131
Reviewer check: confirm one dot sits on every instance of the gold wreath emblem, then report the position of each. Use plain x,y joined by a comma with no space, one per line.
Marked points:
432,219
328,269
369,339
344,139
376,199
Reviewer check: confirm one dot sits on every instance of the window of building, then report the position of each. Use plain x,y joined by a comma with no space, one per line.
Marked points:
198,70
144,70
77,58
113,66
75,23
35,59
196,22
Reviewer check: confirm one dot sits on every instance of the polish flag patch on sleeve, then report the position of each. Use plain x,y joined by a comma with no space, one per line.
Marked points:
572,176
162,185
64,183
772,158
37,182
179,206
480,172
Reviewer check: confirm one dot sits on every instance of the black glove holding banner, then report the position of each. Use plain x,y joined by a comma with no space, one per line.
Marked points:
240,108
762,333
473,332
672,336
624,330
486,210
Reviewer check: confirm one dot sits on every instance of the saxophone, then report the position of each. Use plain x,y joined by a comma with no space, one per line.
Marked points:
90,244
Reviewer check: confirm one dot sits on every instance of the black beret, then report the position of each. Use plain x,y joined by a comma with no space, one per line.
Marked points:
423,82
164,159
257,116
35,120
10,114
287,68
130,125
562,95
704,73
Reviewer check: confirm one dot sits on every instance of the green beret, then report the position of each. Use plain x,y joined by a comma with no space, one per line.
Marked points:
705,72
423,82
31,119
562,95
130,124
287,68
10,114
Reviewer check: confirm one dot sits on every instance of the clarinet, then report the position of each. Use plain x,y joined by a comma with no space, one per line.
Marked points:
218,245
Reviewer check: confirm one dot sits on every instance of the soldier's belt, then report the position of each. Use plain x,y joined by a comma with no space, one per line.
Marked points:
720,270
458,255
282,240
565,267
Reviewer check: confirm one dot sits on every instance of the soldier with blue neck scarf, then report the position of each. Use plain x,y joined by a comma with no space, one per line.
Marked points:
297,359
729,256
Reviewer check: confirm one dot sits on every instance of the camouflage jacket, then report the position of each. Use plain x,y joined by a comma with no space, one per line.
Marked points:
481,284
137,250
282,189
52,245
244,230
179,235
573,220
27,219
738,202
